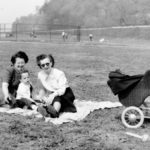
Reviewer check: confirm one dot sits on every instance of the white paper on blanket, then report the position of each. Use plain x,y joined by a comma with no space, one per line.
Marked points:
83,109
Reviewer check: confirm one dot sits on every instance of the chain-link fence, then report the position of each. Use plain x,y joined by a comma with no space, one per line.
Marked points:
39,32
66,33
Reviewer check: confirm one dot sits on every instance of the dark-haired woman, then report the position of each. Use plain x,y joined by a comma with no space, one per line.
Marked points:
12,75
55,90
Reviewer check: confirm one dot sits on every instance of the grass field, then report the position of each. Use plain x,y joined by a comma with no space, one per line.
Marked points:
87,66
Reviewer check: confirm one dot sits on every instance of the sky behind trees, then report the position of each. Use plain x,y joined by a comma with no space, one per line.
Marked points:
12,9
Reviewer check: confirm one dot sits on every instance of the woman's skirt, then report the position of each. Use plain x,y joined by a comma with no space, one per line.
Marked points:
66,101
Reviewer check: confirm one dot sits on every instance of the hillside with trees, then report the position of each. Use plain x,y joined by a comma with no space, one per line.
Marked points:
91,13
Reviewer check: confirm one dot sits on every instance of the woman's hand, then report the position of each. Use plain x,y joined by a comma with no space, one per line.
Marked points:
38,98
50,98
7,98
6,92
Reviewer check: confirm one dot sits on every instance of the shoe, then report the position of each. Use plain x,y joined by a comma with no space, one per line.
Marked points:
51,110
42,111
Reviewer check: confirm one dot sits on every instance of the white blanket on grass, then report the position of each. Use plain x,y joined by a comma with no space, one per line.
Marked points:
83,109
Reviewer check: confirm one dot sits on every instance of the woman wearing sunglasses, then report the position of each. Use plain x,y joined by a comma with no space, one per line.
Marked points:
54,91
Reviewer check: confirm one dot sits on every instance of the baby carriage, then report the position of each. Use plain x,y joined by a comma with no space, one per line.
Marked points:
132,92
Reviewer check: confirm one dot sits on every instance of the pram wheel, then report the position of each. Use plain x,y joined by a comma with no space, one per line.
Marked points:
132,117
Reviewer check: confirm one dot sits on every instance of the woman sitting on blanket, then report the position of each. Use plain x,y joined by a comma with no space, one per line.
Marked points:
11,77
54,89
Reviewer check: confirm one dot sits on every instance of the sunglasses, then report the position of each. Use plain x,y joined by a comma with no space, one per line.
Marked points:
46,64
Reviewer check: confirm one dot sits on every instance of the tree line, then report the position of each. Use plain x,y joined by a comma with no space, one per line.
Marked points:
90,13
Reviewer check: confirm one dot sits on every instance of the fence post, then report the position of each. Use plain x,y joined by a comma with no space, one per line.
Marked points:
50,34
16,32
5,29
78,33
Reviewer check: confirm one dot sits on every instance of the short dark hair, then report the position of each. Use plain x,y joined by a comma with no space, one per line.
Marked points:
25,71
19,54
43,56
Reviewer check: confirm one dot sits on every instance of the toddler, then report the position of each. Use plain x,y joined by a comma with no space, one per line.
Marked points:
24,92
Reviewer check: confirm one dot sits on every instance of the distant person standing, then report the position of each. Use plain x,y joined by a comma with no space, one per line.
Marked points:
32,34
63,36
91,37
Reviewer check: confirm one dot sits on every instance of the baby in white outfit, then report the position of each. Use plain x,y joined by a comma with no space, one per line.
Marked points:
24,92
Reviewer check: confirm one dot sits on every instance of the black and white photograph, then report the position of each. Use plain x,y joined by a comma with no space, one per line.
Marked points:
74,75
